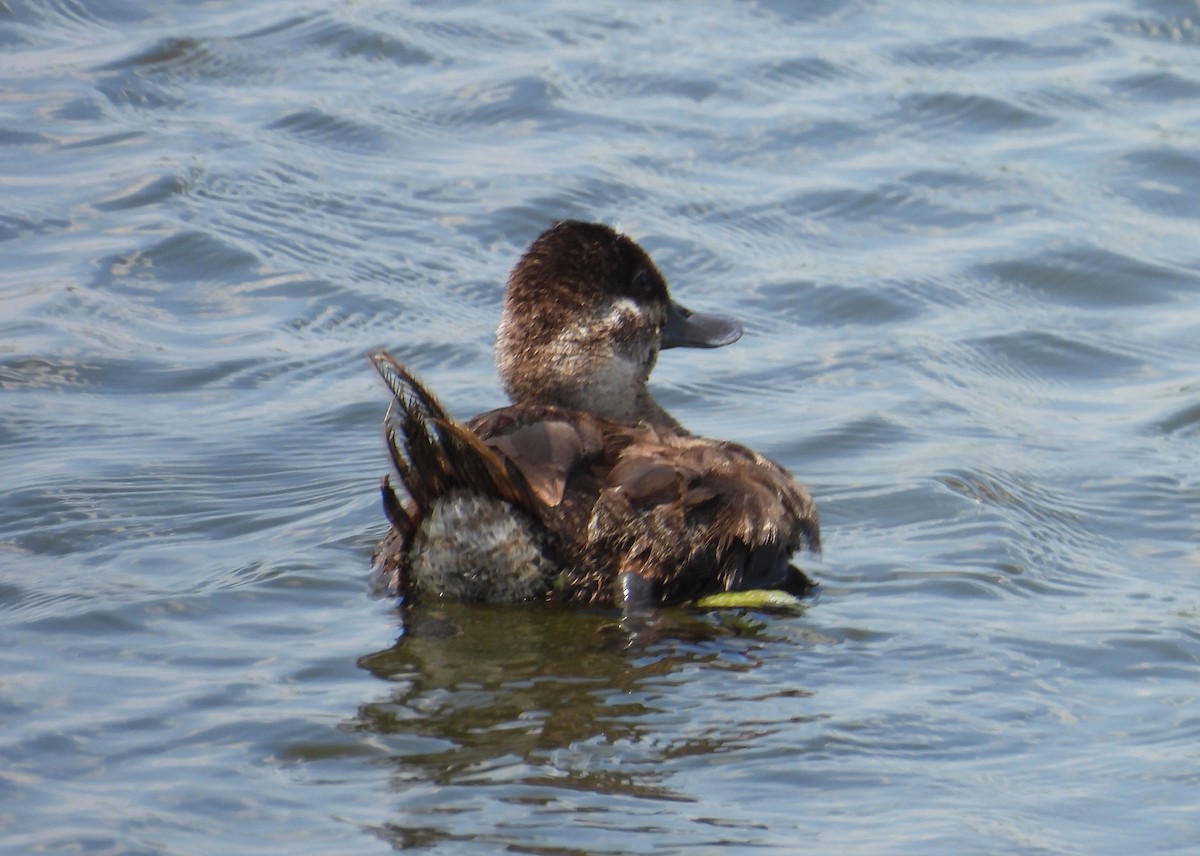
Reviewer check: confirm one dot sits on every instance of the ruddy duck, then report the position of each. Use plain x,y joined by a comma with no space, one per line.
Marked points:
584,488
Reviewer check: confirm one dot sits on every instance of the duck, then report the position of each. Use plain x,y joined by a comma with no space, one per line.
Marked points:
583,489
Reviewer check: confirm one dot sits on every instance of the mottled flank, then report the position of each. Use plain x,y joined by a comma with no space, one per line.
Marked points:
473,547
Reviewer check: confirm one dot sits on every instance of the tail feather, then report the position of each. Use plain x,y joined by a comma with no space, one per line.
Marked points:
433,454
394,508
474,464
401,461
406,389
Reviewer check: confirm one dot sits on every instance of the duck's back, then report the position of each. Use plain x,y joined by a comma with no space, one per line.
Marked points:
686,514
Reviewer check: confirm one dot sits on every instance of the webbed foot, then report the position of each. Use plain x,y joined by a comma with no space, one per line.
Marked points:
633,593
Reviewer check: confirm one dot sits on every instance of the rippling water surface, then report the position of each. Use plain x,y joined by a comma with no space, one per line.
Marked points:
965,243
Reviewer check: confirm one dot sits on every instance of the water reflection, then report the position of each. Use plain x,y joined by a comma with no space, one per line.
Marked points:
537,698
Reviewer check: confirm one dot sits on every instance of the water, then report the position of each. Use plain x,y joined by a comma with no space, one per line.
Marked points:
964,241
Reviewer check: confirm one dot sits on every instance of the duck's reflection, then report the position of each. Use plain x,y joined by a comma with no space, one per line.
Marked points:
541,697
478,687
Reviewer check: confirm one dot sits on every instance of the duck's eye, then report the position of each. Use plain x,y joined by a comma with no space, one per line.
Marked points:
642,284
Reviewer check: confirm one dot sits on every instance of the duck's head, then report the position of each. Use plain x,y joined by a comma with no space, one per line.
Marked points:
585,315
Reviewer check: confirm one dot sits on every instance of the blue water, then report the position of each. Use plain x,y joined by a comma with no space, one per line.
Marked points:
964,240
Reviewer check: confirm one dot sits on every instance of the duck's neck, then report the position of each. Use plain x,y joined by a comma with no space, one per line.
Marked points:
598,380
602,399
654,413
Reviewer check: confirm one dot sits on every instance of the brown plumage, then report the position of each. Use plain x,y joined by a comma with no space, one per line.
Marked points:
553,497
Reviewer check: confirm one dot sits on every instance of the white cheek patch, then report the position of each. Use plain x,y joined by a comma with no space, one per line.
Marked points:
607,356
625,327
623,312
604,332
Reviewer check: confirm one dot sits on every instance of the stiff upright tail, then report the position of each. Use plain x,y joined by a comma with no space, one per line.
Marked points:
433,454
